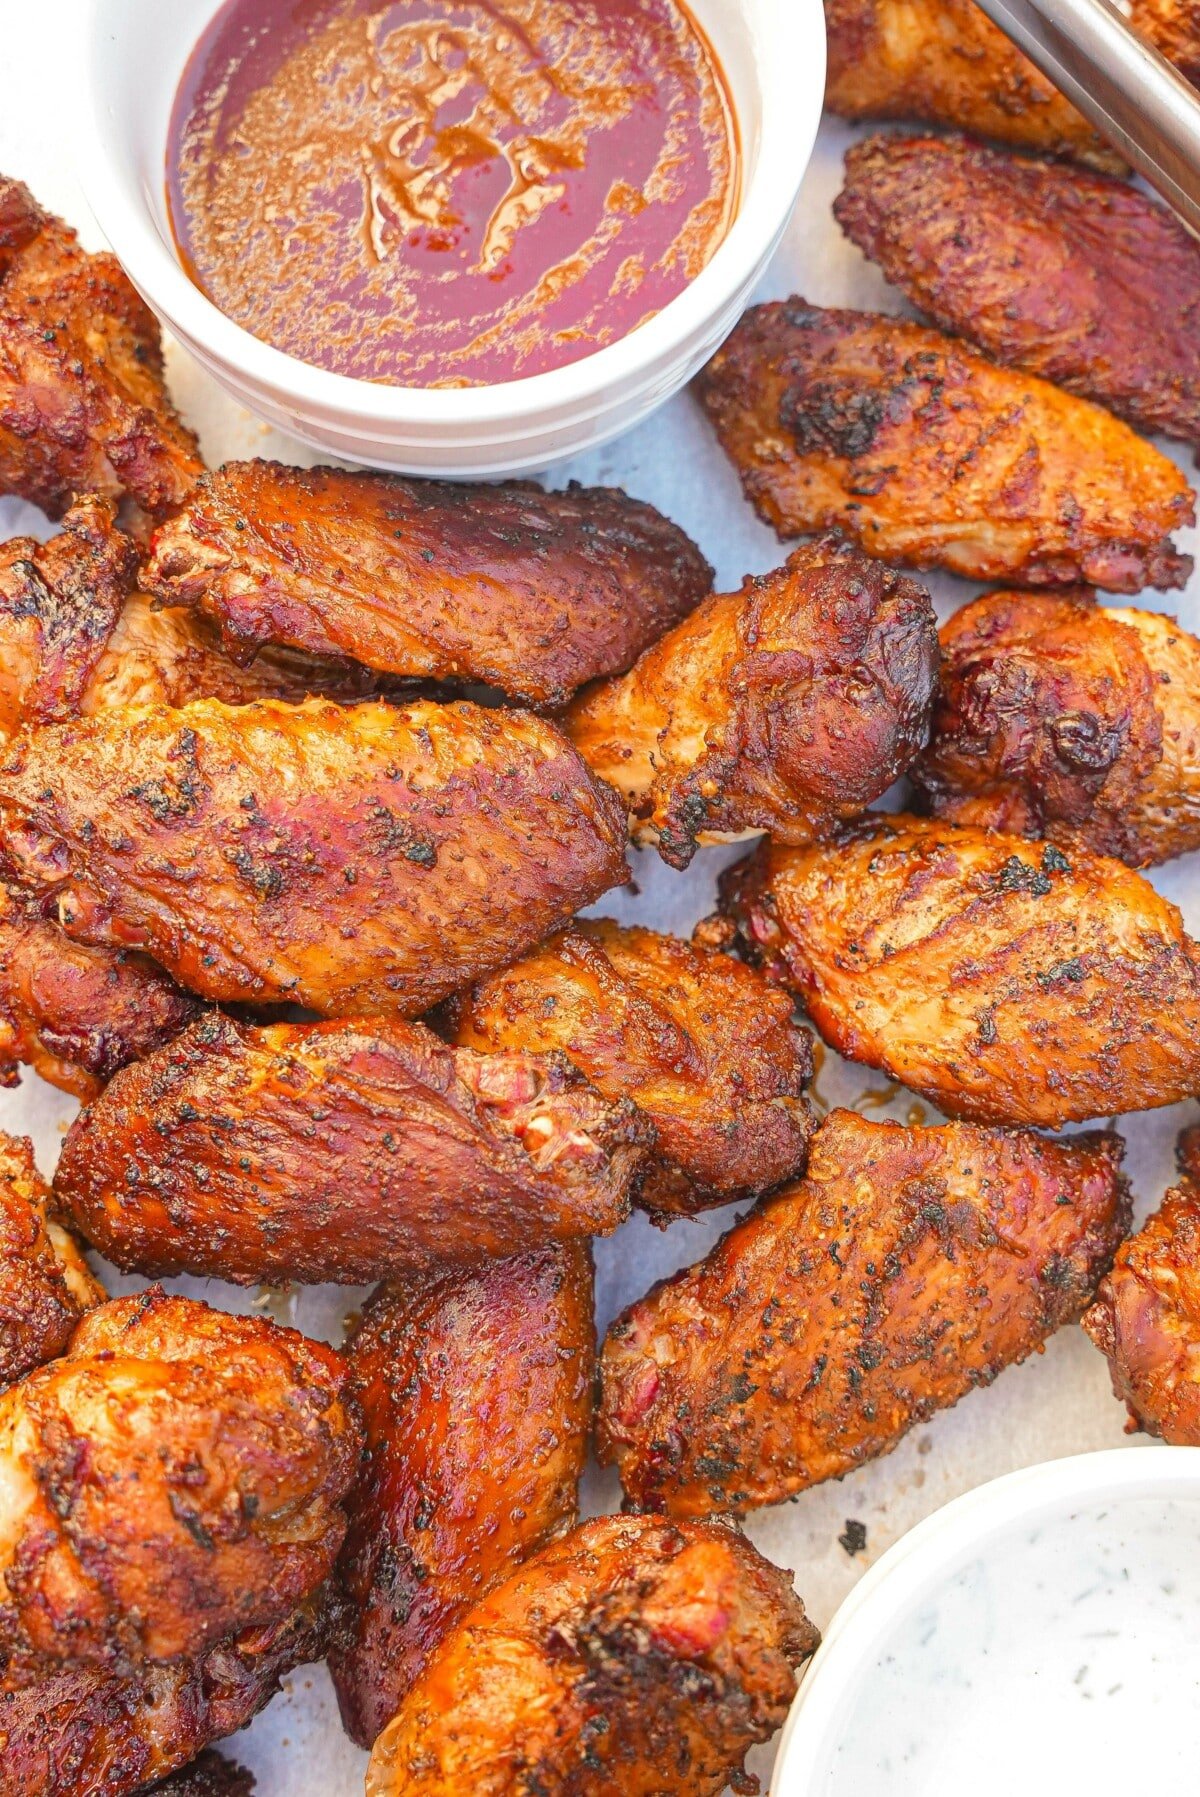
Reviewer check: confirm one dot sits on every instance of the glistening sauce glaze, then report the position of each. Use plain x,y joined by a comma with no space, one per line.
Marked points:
449,192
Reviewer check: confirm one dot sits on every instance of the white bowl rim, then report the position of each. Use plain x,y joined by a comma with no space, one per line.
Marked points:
764,207
932,1550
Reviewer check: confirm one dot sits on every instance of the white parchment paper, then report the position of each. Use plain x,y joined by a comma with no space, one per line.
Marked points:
1059,1403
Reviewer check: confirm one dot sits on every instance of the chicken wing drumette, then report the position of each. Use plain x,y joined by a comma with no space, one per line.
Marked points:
342,1151
906,1268
996,977
704,1047
45,1283
929,455
83,402
529,591
633,1659
353,859
1146,1318
782,707
1079,278
477,1393
1061,719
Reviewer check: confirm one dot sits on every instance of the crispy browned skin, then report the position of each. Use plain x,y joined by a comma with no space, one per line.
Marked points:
45,1283
358,859
1059,719
530,591
83,1733
906,1268
704,1047
209,1776
342,1151
633,1659
83,403
76,1014
1173,27
944,61
477,1392
175,1480
993,976
929,455
1146,1318
1080,278
782,707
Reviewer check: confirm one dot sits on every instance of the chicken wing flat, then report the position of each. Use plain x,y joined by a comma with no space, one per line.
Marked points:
356,860
995,977
703,1045
76,1014
83,401
1079,278
929,455
477,1393
174,1481
908,1267
633,1659
944,61
209,1776
782,707
1146,1318
529,591
45,1283
1059,719
82,1733
342,1151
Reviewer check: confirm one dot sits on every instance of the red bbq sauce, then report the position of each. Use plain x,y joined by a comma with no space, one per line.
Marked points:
449,192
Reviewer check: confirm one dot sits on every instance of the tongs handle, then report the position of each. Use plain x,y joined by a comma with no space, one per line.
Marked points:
1121,85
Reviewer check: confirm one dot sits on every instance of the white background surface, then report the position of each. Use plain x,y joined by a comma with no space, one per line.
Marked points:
1060,1403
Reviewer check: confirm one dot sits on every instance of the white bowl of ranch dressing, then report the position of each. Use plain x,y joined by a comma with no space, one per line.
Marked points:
1040,1634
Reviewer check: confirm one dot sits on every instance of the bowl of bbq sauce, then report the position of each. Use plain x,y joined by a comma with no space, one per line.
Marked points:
450,236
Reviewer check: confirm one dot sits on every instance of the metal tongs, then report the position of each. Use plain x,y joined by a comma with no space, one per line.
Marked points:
1126,89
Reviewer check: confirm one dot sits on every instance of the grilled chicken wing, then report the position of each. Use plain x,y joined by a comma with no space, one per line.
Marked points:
995,977
1173,27
209,1776
45,1283
929,455
1146,1317
353,859
702,1045
945,62
1079,278
1059,719
82,1733
174,1481
342,1151
633,1659
83,402
477,1392
530,591
906,1268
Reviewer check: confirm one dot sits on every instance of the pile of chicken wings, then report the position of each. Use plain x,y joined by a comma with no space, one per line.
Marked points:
305,779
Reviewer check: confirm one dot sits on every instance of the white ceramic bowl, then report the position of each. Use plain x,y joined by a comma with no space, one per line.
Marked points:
842,1684
773,53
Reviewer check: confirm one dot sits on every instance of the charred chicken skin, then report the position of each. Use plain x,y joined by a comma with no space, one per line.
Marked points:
929,455
477,1392
342,1151
352,859
943,61
633,1659
173,1482
1059,719
1077,277
1146,1318
529,591
45,1283
83,402
906,1268
1173,27
995,977
704,1047
209,1776
782,707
